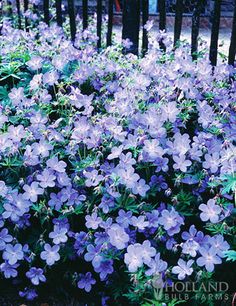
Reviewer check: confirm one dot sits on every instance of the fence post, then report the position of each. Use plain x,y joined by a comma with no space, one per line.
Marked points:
99,23
85,14
131,23
215,33
178,20
58,12
46,11
71,11
110,22
162,19
145,15
232,48
195,27
162,14
26,6
18,13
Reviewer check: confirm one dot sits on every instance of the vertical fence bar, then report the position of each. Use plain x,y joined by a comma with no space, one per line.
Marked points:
71,11
26,6
131,23
46,11
232,48
1,14
145,15
162,19
85,14
178,20
110,22
99,23
18,13
162,14
58,12
195,27
215,33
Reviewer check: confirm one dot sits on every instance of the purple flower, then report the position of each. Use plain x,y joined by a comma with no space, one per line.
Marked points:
190,247
86,281
181,144
16,95
193,234
141,188
161,164
29,294
4,238
9,270
32,192
58,235
127,43
209,258
183,269
92,178
55,201
181,163
124,218
41,148
93,221
115,152
13,253
36,275
189,235
210,211
50,254
212,162
100,238
147,251
63,179
118,236
3,189
170,111
158,182
139,222
153,218
152,150
133,258
46,179
219,244
128,177
16,207
56,165
35,63
171,244
106,204
171,221
50,77
105,268
93,254
81,242
156,265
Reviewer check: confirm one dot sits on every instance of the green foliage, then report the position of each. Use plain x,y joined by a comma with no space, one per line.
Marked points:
230,255
229,183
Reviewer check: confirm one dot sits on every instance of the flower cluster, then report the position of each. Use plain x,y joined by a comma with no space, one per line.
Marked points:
113,168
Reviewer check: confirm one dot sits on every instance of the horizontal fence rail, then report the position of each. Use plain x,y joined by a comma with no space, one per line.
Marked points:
133,12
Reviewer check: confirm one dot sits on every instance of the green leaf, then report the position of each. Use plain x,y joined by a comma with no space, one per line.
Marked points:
3,93
229,183
230,255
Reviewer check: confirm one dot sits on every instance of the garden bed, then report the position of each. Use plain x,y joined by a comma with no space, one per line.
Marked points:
117,173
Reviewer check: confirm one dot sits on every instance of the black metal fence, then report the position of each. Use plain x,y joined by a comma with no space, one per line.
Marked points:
133,12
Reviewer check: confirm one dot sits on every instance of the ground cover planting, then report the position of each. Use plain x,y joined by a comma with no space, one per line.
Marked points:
117,173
